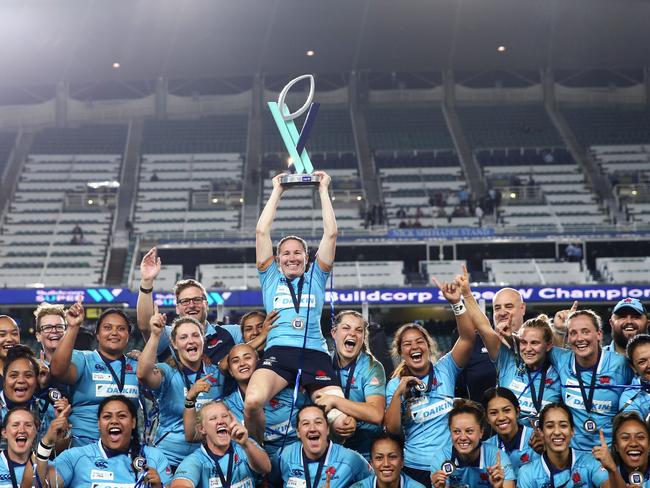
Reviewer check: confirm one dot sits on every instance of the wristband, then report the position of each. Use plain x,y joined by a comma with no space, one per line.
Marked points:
190,403
43,451
458,308
146,291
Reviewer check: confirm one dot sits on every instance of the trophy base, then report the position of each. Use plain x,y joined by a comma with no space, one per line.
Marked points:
300,180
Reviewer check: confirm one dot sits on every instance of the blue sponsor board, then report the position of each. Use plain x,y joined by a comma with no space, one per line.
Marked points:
374,296
441,233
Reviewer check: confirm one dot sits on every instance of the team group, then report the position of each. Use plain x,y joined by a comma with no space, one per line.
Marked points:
264,403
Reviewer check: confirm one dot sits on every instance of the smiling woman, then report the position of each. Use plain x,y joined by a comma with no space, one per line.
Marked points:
117,456
95,375
185,377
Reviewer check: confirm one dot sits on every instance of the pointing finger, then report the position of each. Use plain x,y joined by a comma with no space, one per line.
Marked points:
436,282
602,438
155,308
465,273
498,463
574,307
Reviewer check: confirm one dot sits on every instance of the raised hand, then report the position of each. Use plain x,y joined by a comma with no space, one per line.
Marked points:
602,453
150,267
462,281
277,185
157,321
74,316
202,385
560,319
58,427
269,321
325,179
451,291
238,432
495,473
439,479
152,478
405,380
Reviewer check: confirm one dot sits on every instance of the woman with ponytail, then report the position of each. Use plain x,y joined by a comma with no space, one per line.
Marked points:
172,382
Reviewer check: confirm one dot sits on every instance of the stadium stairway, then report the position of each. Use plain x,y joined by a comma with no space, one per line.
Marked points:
117,253
22,147
600,184
466,158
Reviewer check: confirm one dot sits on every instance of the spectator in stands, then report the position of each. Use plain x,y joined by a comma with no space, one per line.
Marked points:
9,337
478,213
584,369
315,460
419,396
573,253
192,301
628,319
93,375
560,465
362,378
627,462
401,213
78,232
387,461
548,157
228,456
172,381
50,328
402,224
637,398
466,460
116,459
296,349
502,413
154,177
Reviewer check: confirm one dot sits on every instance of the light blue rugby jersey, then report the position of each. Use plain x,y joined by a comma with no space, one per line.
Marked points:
518,451
368,379
472,476
513,375
404,482
199,468
93,383
5,476
277,417
276,296
424,419
612,375
347,467
170,435
636,399
89,466
585,472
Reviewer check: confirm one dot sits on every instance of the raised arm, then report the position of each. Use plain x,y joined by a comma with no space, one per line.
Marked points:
147,373
478,319
393,415
258,459
462,349
263,243
149,270
201,385
61,366
327,246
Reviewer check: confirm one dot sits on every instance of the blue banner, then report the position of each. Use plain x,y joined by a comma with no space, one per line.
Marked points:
441,233
121,297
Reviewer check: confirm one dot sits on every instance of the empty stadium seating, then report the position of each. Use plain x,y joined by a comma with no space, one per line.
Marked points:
609,126
214,134
442,270
537,271
167,278
624,270
228,276
413,128
39,240
186,193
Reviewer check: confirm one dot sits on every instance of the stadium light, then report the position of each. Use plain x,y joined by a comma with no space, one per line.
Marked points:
501,49
310,52
116,65
215,200
90,201
513,195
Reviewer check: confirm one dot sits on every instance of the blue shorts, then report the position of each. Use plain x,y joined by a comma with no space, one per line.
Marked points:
317,370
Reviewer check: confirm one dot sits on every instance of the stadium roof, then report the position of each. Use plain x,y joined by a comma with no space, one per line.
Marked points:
44,41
